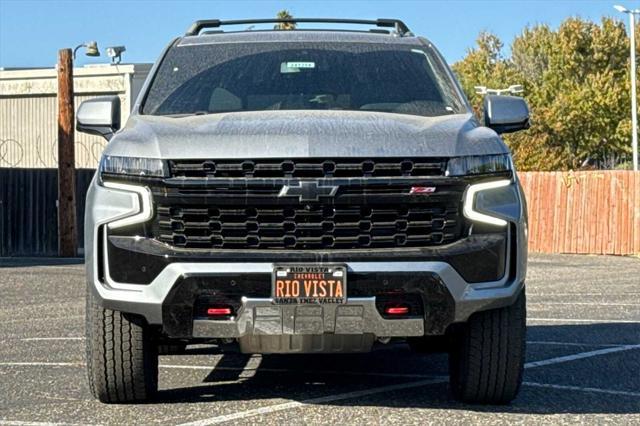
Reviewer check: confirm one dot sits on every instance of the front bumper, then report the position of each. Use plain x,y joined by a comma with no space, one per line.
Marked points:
434,274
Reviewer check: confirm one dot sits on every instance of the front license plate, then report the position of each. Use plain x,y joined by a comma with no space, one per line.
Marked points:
301,284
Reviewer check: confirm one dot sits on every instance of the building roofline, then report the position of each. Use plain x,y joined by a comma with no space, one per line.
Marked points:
13,73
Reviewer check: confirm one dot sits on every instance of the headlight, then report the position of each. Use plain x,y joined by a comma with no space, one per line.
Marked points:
490,202
133,166
478,164
142,205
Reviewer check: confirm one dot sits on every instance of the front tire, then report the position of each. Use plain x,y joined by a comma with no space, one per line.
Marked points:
486,360
122,359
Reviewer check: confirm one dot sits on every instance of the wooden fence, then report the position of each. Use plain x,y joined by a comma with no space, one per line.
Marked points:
583,212
28,213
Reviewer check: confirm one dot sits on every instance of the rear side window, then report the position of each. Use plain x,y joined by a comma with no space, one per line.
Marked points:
216,78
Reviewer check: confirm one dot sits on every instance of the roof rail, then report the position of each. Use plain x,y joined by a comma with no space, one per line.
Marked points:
400,27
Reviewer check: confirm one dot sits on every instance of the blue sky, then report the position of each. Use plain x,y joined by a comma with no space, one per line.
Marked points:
31,31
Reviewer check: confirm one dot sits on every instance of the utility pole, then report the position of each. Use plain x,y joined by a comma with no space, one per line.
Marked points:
634,102
67,232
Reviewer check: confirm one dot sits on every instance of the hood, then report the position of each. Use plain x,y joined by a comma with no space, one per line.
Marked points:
299,134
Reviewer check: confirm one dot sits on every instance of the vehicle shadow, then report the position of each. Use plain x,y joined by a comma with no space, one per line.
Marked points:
305,377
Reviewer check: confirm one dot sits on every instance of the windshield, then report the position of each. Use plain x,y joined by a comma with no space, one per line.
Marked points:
215,78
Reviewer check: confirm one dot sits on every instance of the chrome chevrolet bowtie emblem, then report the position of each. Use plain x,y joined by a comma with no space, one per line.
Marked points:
308,191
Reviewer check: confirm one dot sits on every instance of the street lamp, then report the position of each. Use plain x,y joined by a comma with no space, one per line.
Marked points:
634,107
91,49
115,53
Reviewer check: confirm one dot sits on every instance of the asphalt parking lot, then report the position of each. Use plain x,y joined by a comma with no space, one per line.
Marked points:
583,362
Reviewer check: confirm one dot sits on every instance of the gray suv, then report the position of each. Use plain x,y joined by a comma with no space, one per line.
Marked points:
305,191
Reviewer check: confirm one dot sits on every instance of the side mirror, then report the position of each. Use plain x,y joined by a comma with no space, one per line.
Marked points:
506,114
99,116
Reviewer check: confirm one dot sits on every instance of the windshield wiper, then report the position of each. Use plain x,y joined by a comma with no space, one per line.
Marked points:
186,114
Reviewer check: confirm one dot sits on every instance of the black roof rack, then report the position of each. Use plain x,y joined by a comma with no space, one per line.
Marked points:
400,27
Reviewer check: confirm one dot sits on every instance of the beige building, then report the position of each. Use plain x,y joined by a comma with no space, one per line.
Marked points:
28,111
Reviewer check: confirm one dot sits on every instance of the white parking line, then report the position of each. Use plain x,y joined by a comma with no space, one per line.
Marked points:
581,355
21,423
222,368
357,394
576,320
582,389
16,321
42,364
530,342
555,343
295,404
582,304
550,361
37,339
577,293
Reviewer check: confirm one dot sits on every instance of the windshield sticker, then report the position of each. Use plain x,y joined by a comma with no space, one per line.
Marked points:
300,64
293,67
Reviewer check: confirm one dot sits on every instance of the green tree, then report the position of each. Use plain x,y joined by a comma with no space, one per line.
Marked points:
576,80
284,14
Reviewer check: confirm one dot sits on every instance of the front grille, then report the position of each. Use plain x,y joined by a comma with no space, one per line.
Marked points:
309,168
307,227
236,204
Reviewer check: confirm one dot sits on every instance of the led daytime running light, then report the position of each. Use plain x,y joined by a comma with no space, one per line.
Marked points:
469,200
